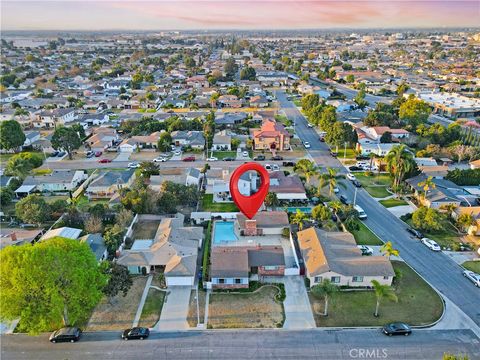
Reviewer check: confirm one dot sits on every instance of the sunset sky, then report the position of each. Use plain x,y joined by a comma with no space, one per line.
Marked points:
235,14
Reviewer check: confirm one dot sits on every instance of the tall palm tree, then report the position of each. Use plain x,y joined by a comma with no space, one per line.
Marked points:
299,218
271,200
382,292
307,169
427,184
336,206
332,179
399,162
325,289
387,249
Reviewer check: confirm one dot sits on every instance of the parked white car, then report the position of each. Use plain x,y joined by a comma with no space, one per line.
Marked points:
310,125
160,159
133,165
213,158
351,177
306,144
366,250
245,154
275,167
432,245
473,277
178,152
336,190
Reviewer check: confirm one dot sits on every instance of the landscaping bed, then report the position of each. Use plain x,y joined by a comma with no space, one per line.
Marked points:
418,304
258,309
152,308
364,236
388,203
209,205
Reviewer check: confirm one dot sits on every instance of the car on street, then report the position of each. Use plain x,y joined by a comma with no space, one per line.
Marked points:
90,154
473,277
136,333
343,199
275,167
189,158
268,167
177,153
397,328
212,158
245,154
259,158
351,177
431,244
415,233
277,158
228,159
61,154
333,153
336,190
54,154
289,163
357,183
362,215
160,159
66,334
355,168
366,250
322,138
104,161
133,165
310,125
98,153
306,144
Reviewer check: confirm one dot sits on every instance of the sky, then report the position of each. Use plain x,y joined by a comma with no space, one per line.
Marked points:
235,14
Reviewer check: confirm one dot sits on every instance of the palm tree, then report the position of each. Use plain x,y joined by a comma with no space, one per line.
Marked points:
325,289
336,206
387,249
271,200
382,292
299,218
399,162
427,184
307,169
332,179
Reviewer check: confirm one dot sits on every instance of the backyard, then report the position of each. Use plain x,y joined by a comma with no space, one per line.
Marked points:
364,236
152,308
418,304
145,229
121,312
376,185
209,205
257,309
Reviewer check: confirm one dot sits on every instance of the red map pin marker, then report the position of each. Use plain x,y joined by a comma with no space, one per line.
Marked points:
249,205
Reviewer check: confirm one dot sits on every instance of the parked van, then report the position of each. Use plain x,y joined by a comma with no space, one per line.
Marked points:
361,214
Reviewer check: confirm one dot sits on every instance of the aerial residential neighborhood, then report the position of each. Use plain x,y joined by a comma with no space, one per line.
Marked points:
119,221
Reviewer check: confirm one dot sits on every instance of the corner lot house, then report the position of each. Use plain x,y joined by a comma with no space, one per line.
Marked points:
271,136
108,183
173,251
336,257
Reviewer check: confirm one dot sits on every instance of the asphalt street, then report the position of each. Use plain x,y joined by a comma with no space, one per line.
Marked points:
248,344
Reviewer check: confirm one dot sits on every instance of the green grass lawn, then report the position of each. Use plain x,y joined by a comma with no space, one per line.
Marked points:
472,266
223,154
445,238
364,236
388,203
350,153
418,304
297,102
375,185
209,205
152,308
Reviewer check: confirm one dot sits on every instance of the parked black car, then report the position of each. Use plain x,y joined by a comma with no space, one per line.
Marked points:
415,233
357,183
136,333
277,157
355,168
333,153
259,158
229,159
362,157
398,328
289,163
66,334
343,199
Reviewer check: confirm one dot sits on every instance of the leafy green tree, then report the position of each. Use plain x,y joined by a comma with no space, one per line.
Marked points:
328,118
414,112
271,200
113,237
428,219
427,184
189,62
164,141
299,218
148,169
6,196
382,292
11,135
465,220
321,213
66,139
399,162
32,209
326,290
388,250
230,68
360,99
350,78
119,280
167,203
309,101
386,137
64,286
248,73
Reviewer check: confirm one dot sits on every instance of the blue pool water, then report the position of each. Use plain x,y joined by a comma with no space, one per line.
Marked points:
306,210
223,232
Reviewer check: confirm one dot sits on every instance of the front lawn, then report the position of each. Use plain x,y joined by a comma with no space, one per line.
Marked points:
448,237
376,185
350,153
364,236
388,203
472,266
223,154
209,205
418,304
152,308
257,309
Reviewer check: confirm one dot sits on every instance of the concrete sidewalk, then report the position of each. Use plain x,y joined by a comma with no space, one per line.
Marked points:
175,309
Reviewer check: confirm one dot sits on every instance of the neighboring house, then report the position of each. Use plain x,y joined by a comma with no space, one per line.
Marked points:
264,223
229,101
102,138
288,188
140,142
222,141
335,256
31,137
197,81
9,236
271,135
97,245
194,177
474,211
93,119
173,251
57,181
374,148
258,101
65,232
195,139
108,183
372,135
218,183
229,118
51,118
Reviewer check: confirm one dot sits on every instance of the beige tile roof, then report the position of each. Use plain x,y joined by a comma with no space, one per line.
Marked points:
266,219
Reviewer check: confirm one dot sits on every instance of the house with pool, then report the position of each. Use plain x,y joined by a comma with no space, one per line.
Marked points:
250,249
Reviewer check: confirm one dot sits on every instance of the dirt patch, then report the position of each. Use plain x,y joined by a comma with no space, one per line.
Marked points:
246,310
192,308
120,314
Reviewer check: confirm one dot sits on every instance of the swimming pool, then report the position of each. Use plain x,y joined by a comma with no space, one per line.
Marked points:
305,210
223,232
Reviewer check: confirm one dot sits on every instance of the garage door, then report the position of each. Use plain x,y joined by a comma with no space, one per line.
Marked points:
179,280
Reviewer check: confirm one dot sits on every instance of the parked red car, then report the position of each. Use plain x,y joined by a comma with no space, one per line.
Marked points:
103,161
189,158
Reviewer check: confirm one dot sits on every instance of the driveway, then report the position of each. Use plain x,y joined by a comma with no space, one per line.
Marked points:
122,156
298,313
175,309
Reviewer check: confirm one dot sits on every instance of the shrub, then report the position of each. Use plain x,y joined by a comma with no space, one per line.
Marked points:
286,232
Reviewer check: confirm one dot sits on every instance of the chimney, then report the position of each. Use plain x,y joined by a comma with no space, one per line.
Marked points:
13,236
250,227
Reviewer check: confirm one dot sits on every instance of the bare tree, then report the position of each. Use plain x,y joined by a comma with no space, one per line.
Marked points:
93,224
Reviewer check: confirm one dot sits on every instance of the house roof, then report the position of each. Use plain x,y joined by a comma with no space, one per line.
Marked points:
110,178
66,232
337,252
279,183
229,262
270,128
266,219
96,244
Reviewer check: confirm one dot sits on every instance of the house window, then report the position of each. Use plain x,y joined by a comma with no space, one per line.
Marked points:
238,281
317,279
221,281
357,279
385,278
335,279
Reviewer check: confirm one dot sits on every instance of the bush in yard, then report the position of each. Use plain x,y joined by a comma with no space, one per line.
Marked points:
428,219
33,209
286,232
